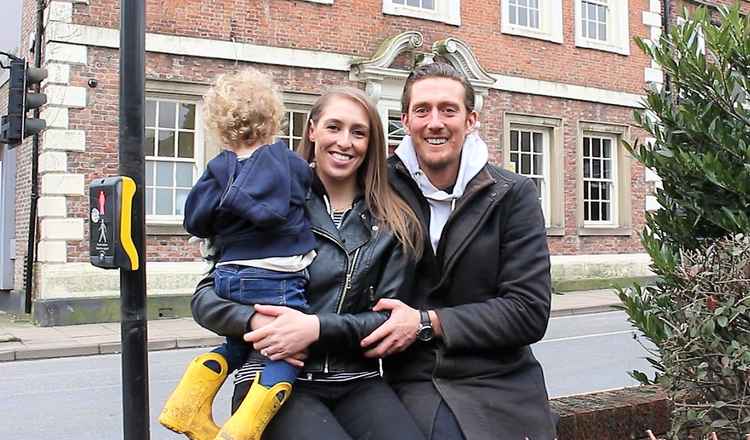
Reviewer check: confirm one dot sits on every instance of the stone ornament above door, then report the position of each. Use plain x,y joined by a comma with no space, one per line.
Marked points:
379,68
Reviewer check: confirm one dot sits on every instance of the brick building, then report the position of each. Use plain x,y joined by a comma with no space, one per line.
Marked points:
557,82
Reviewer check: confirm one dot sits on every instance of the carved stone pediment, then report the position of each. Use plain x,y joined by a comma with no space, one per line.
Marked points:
460,56
374,70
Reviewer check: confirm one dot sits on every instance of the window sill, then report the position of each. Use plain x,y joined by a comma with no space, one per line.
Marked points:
522,31
603,46
165,229
605,230
555,231
405,11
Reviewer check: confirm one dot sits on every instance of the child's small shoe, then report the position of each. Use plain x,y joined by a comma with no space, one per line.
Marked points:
188,409
257,409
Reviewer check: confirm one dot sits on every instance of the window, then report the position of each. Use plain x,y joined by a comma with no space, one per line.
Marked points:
541,19
603,25
424,4
594,19
534,149
395,130
696,38
172,150
599,185
294,127
528,151
604,186
445,11
524,13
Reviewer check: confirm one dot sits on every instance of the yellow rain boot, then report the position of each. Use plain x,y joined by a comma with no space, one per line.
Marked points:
259,406
188,409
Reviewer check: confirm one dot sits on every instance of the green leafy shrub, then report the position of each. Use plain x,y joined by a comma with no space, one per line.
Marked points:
697,314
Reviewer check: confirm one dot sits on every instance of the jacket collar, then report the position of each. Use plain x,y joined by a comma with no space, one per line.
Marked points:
356,229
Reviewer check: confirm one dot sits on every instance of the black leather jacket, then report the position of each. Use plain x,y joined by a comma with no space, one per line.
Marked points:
356,265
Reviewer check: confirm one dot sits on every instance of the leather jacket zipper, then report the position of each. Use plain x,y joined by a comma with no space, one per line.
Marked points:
348,284
347,287
348,280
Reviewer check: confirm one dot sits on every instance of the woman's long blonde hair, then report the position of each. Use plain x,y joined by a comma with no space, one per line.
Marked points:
372,176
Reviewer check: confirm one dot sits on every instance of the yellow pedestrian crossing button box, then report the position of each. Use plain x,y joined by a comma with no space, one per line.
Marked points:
110,223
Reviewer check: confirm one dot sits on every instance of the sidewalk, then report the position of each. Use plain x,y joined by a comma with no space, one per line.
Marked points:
24,341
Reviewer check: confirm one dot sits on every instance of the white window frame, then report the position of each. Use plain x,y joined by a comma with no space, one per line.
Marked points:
554,164
199,151
546,196
618,32
550,22
446,11
298,103
681,21
392,113
292,140
613,180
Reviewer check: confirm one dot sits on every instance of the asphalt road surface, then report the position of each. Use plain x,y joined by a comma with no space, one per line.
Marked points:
80,398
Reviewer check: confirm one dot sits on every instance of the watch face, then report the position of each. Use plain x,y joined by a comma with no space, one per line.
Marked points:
425,334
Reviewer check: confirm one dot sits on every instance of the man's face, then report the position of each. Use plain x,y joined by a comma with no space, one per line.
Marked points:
438,121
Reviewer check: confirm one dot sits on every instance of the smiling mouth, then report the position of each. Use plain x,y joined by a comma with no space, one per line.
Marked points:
341,156
436,141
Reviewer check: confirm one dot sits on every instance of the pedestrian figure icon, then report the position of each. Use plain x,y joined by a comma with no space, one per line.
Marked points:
102,232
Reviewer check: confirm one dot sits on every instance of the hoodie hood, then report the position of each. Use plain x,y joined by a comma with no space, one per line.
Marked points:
474,156
223,168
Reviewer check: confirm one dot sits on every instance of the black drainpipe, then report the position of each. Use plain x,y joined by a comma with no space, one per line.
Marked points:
30,253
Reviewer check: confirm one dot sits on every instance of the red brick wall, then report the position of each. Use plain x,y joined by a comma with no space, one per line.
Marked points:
357,27
571,112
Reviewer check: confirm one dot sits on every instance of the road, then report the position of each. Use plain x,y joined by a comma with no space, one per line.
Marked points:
80,398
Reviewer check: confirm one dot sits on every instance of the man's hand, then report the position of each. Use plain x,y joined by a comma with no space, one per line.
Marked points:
394,335
290,332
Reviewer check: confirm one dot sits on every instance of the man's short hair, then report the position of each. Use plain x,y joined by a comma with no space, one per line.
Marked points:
437,70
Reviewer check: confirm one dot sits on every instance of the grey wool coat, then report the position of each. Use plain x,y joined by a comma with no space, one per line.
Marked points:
489,283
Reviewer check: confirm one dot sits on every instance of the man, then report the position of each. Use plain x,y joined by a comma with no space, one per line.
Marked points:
481,292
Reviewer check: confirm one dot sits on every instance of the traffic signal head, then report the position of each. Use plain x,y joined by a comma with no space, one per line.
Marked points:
21,99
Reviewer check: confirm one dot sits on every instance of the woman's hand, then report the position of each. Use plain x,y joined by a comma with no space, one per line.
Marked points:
289,333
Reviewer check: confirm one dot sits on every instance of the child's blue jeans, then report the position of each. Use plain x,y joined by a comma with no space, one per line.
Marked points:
250,286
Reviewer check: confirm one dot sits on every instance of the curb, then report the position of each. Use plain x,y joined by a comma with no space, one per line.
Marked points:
52,350
73,350
584,310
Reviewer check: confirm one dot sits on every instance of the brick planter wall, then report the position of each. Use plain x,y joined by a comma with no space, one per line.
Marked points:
613,415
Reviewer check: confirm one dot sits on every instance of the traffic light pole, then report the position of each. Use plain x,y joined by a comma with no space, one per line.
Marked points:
132,164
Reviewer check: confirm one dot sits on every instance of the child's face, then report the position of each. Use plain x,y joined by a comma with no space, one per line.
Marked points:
341,136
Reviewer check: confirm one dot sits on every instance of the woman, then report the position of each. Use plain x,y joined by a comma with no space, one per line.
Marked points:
366,237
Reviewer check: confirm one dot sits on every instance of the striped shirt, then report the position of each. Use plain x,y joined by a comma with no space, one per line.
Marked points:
248,371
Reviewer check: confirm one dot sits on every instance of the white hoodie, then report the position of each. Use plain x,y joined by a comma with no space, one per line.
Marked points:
474,156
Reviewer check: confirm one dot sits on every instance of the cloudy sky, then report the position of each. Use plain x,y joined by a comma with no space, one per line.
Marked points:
10,23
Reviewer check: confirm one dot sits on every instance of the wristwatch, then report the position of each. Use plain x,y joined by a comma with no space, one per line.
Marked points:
425,332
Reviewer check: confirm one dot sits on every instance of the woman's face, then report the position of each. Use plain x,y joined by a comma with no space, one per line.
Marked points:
341,135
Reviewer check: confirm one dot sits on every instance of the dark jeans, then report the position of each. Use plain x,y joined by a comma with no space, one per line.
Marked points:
355,410
429,410
250,286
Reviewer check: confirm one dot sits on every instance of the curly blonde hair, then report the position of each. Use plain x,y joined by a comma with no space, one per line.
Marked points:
244,108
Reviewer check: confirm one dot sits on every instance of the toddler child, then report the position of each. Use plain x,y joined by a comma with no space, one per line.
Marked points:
250,202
